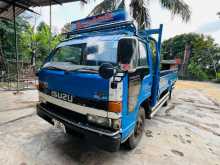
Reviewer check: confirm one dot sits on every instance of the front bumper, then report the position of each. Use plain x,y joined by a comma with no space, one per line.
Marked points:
104,139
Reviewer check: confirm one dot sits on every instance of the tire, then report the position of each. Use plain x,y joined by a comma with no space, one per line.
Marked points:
165,104
135,137
170,95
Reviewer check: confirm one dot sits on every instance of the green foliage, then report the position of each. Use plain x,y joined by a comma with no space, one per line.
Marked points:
197,72
218,75
31,43
177,7
204,54
140,9
39,42
7,35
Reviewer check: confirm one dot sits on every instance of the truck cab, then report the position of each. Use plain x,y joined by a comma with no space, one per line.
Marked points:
103,81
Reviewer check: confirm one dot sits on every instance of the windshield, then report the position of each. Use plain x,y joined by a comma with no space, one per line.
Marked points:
91,54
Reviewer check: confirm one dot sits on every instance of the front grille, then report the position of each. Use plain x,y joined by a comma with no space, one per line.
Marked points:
73,116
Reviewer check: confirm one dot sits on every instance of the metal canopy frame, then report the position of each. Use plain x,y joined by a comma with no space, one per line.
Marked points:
6,6
16,7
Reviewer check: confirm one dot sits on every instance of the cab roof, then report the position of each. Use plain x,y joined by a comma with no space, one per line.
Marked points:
86,39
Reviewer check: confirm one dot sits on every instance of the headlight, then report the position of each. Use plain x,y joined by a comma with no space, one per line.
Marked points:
99,120
103,121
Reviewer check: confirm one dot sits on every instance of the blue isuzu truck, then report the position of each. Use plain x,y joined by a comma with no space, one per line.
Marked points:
104,80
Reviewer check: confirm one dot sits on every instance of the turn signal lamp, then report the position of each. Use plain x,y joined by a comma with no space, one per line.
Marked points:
115,106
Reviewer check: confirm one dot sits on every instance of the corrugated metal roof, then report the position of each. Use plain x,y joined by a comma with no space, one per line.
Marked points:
6,6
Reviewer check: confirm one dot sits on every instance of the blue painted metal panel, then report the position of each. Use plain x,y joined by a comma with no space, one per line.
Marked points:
156,79
167,80
127,121
146,34
116,16
92,37
78,84
129,118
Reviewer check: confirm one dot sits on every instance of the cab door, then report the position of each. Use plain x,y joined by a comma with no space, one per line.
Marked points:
140,79
138,85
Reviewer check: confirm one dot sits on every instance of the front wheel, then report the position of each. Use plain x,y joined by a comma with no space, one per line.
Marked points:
135,138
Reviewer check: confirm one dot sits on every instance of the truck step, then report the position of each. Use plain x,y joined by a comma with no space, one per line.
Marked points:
159,104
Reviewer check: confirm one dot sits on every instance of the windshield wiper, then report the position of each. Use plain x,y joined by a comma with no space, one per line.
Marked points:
73,62
86,69
81,69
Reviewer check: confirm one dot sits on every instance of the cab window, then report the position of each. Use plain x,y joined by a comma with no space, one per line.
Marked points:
127,50
142,60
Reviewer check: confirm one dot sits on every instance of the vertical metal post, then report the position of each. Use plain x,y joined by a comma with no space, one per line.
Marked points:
156,79
50,37
15,46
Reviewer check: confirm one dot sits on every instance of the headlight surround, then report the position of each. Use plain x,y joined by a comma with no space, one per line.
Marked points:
105,122
116,124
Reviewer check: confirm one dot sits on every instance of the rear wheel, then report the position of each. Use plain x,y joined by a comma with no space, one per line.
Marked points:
135,138
170,94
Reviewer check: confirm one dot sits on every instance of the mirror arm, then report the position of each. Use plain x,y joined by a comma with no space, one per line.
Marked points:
114,82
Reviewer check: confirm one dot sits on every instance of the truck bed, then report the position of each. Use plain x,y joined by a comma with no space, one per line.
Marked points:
167,79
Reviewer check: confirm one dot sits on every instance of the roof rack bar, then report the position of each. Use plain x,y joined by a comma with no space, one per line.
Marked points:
153,31
101,27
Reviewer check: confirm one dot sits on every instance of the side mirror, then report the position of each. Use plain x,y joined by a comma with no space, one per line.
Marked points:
106,70
127,48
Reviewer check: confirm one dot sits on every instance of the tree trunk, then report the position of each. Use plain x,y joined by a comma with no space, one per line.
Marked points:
187,54
2,59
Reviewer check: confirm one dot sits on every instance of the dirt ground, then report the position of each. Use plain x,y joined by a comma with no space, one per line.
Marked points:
186,132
